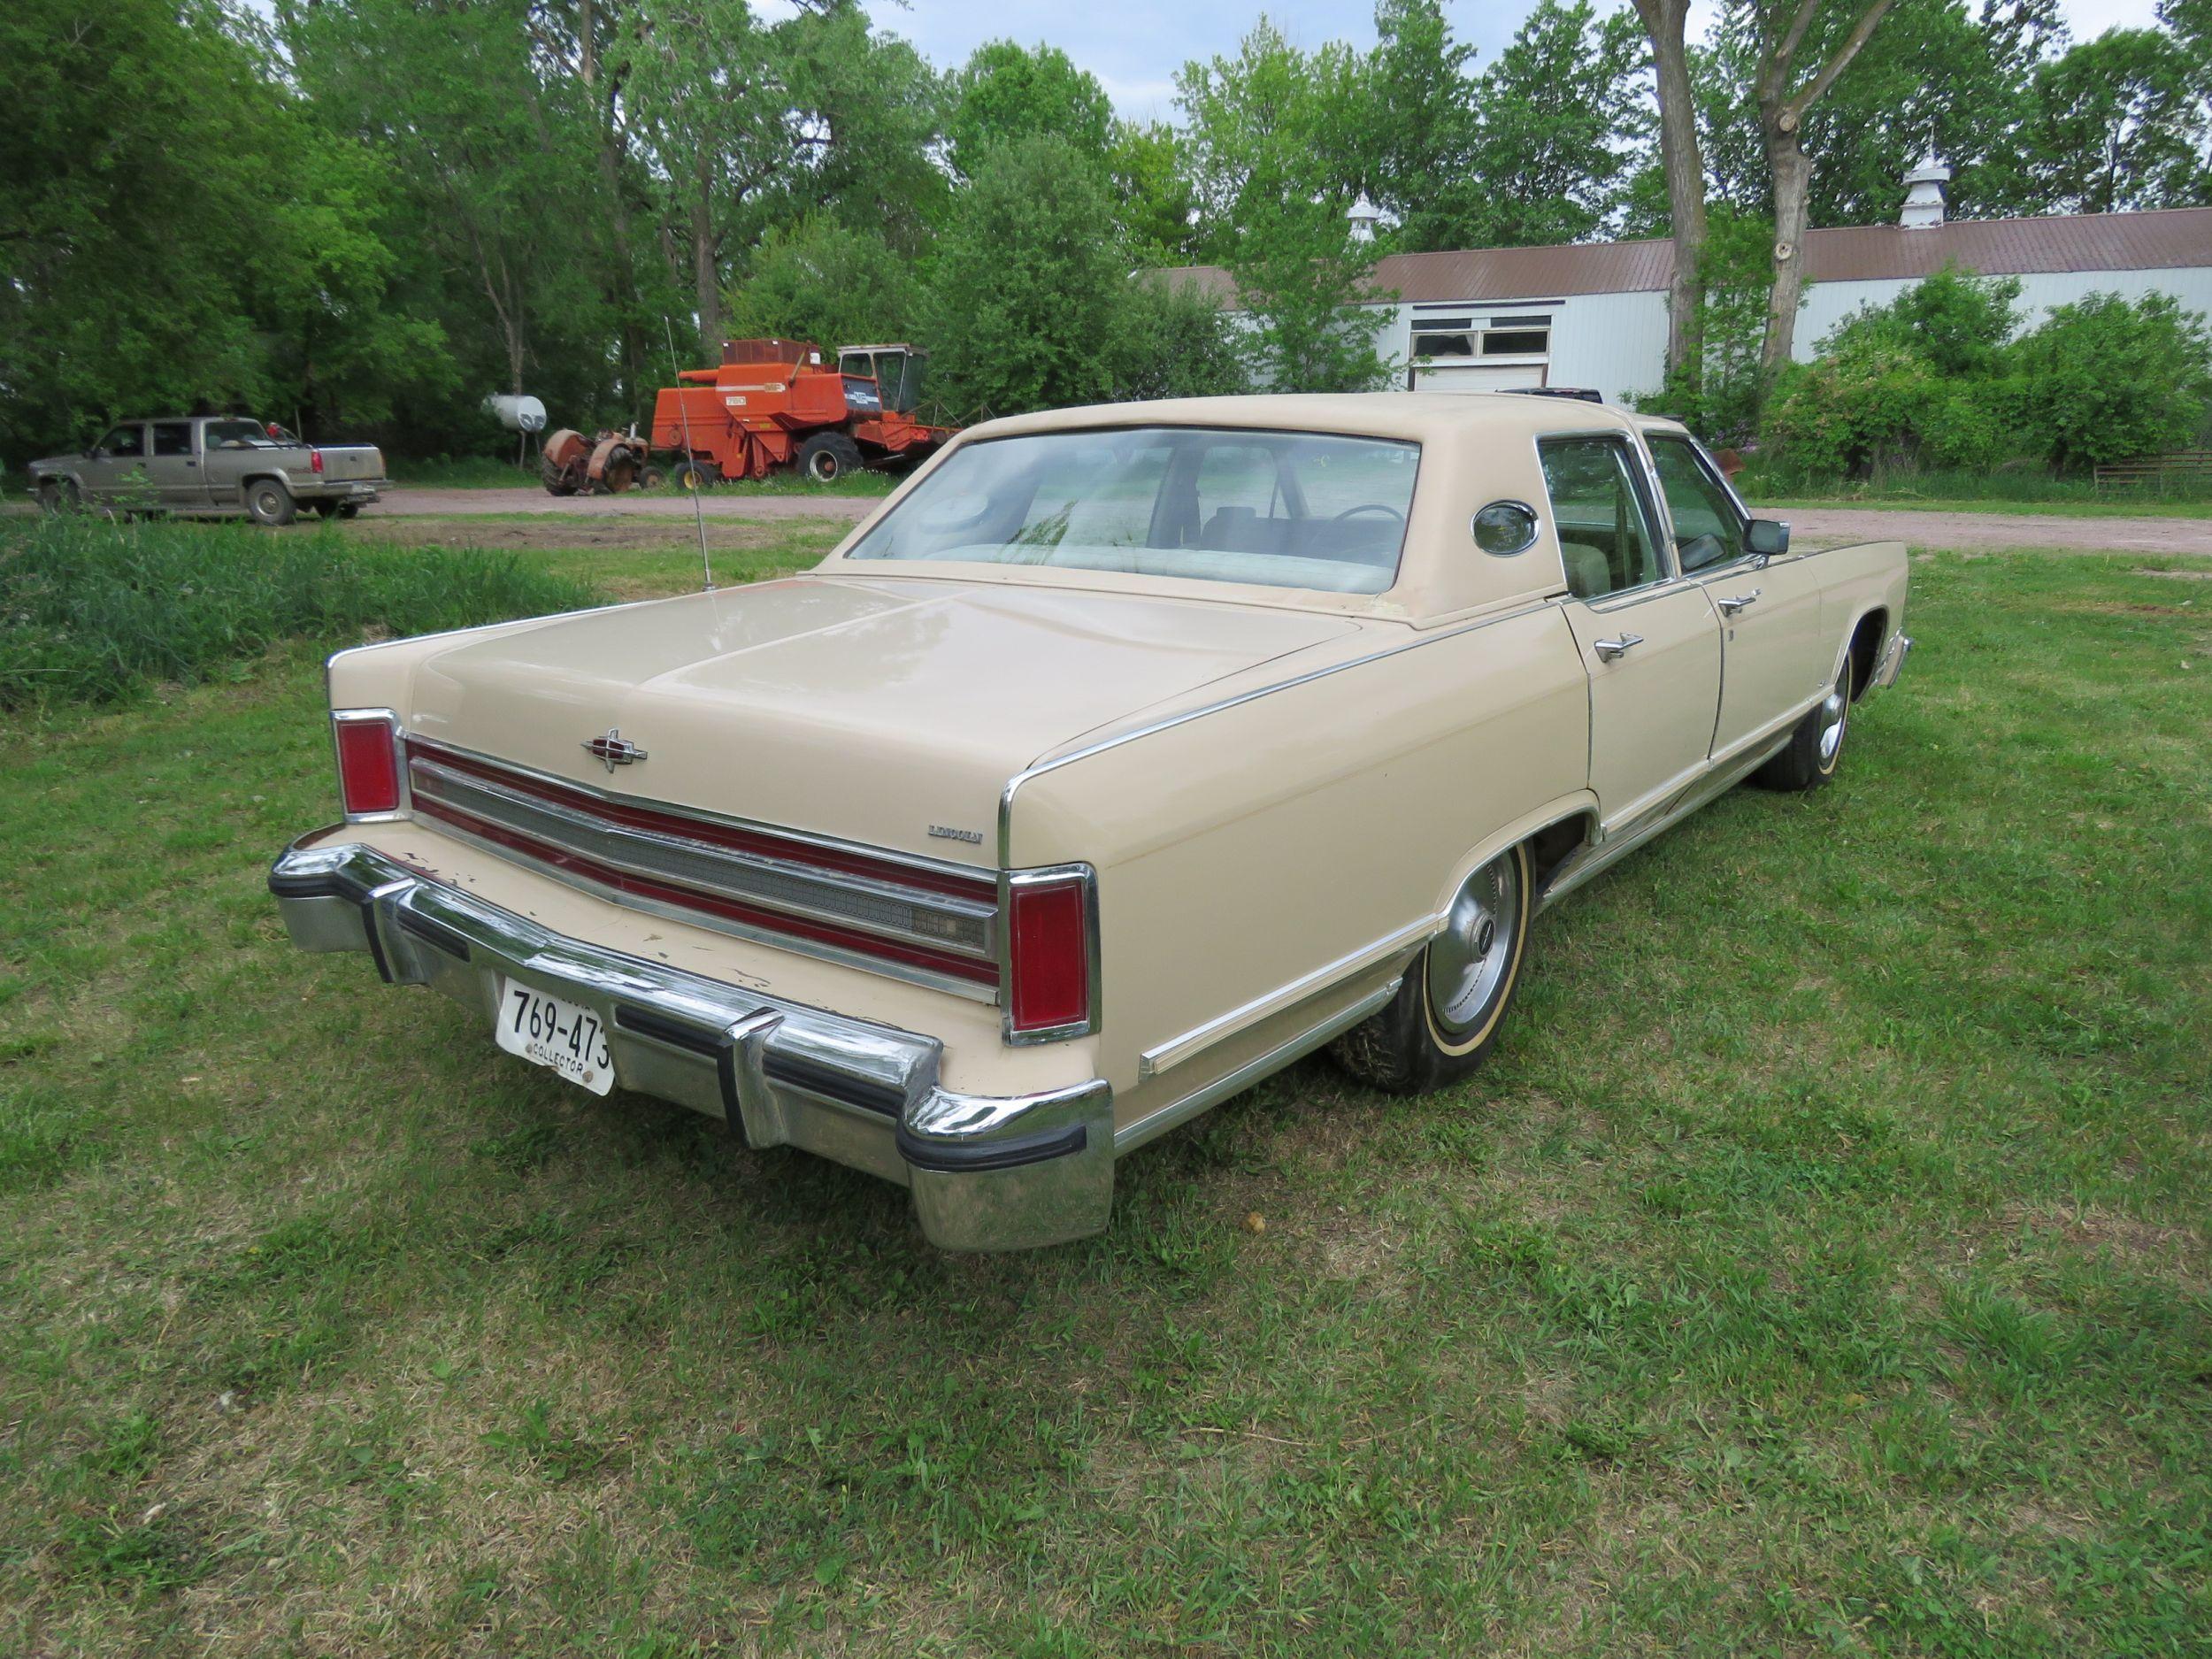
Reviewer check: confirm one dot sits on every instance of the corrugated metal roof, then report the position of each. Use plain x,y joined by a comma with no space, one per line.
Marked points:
2163,240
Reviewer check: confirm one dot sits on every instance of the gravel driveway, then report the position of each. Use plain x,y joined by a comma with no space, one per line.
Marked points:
1827,526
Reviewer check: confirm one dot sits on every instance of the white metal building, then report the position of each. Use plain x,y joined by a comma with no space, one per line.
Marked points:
1594,314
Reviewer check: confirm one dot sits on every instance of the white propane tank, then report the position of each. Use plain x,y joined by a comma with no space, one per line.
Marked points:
516,413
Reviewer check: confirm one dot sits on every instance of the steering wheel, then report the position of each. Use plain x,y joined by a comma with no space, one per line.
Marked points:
1370,506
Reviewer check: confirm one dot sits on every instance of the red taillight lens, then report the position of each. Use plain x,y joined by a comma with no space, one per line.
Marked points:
314,460
1048,953
368,763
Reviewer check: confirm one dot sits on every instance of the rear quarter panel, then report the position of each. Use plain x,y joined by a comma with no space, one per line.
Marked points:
1856,581
1311,833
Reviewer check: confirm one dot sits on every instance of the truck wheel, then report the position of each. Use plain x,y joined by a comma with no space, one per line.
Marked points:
269,503
690,475
1444,1020
828,456
1816,748
58,495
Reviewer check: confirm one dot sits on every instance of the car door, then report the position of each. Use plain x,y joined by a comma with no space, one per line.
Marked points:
1774,658
173,467
229,448
115,464
1649,640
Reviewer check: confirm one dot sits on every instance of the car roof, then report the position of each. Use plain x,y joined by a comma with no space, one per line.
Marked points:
1410,416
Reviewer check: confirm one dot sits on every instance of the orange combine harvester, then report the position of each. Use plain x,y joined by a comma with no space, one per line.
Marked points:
771,405
774,403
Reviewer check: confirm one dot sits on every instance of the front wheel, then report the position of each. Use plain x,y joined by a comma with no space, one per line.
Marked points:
828,456
1810,757
269,503
58,495
1445,1018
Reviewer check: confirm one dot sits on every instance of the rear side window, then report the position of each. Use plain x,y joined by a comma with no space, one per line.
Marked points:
172,437
1601,513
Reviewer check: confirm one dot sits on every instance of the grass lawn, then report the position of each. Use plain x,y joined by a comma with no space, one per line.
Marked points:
1823,1264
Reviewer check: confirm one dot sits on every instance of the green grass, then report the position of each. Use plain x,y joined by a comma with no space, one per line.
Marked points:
92,610
2006,489
1821,1265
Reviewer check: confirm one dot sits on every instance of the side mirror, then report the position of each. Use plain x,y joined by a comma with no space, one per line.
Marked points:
1767,537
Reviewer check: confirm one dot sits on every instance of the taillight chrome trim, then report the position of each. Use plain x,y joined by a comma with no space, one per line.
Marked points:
747,879
1010,882
391,718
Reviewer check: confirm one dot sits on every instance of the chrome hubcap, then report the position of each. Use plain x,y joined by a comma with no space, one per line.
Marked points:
1834,712
1468,960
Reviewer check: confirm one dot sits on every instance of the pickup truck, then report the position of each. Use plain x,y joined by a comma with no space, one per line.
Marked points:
212,466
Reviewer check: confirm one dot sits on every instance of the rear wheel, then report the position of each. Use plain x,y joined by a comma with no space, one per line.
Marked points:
690,475
1445,1018
1814,750
269,503
828,456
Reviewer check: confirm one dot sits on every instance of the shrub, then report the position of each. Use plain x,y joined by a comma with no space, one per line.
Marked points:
1852,413
1957,322
2103,380
1174,342
91,611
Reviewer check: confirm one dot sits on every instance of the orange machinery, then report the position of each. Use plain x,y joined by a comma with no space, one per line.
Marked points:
775,404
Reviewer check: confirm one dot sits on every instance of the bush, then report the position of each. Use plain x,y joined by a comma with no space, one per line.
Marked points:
1174,342
92,611
2104,380
1956,322
1853,413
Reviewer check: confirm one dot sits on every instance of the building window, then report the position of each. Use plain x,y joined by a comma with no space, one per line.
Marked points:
1461,344
1516,343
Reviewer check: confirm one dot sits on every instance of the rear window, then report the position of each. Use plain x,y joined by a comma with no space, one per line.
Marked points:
1272,509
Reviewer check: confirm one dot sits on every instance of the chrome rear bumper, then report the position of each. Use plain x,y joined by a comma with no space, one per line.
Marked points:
987,1172
1892,662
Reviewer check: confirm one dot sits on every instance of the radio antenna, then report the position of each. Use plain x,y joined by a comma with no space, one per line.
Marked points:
691,462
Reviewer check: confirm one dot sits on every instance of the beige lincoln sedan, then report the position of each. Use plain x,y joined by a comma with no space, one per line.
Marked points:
1122,757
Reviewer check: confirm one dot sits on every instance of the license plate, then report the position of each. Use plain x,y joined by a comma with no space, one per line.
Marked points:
549,1032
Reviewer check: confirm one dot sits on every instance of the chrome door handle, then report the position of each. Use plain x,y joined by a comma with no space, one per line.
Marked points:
1729,607
1613,650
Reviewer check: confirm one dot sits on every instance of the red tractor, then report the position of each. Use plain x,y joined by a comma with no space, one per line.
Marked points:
774,403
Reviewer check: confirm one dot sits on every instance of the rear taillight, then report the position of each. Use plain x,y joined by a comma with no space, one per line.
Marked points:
1050,956
314,460
368,761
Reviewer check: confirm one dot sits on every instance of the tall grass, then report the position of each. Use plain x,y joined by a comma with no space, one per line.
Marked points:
93,611
1761,480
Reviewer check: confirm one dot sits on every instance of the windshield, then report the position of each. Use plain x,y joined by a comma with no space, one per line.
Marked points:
1278,508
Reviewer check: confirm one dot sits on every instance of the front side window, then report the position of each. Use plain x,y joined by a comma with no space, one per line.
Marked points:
1598,505
1708,530
173,438
125,441
1274,508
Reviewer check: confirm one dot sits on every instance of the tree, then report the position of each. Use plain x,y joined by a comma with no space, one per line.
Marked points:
1684,169
820,281
1155,202
1419,160
1274,142
1804,45
2120,123
1560,111
1007,91
1026,289
2105,380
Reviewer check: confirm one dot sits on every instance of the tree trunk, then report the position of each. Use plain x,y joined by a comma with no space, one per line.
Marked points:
1790,171
706,275
1685,167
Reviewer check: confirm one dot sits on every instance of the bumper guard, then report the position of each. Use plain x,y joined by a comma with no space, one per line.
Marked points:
987,1172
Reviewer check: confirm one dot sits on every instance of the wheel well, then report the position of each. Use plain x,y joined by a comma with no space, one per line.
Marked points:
1866,650
1554,844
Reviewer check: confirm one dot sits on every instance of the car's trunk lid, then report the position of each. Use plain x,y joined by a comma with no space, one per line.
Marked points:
886,712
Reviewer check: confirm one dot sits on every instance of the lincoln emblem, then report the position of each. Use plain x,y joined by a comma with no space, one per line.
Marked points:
614,748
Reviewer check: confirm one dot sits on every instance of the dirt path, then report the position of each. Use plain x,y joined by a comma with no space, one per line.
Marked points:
407,502
1831,526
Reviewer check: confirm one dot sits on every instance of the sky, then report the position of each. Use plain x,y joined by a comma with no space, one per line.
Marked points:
1134,47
